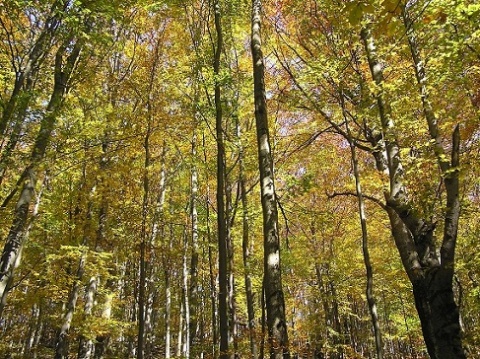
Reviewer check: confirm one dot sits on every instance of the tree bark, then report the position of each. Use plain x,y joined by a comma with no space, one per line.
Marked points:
221,216
185,298
274,299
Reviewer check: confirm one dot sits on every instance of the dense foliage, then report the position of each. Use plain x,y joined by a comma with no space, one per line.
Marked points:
108,173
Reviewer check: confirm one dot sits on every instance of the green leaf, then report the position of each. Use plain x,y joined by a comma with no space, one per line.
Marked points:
355,14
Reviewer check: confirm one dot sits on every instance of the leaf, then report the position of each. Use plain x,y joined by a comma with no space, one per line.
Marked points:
355,14
391,6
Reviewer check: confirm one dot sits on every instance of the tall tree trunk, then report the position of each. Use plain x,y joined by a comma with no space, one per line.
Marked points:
372,305
211,265
185,302
180,325
274,299
232,318
246,249
101,342
221,217
158,239
28,180
193,289
143,248
15,135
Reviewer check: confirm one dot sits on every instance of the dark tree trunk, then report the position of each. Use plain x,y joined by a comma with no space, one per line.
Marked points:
221,216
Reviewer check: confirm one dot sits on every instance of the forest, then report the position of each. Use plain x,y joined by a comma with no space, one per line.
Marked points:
239,179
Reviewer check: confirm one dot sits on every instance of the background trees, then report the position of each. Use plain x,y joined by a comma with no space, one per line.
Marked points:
108,171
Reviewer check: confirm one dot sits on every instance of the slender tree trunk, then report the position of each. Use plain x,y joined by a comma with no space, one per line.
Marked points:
158,238
180,326
86,347
61,346
168,314
211,265
274,299
246,248
232,320
185,295
34,327
193,289
31,353
221,217
372,306
7,153
143,248
101,343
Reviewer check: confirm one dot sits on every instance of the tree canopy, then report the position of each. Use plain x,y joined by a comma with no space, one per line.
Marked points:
196,179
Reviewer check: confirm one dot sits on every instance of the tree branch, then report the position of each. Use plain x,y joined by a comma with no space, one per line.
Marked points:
347,193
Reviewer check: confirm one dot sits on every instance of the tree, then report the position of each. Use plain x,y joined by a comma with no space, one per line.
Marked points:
64,69
272,282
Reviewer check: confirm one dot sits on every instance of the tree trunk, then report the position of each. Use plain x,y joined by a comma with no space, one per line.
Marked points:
431,275
232,317
212,276
439,284
185,295
23,79
193,289
372,306
366,254
180,326
21,112
34,327
102,342
221,217
61,346
28,180
246,249
100,345
86,347
274,299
